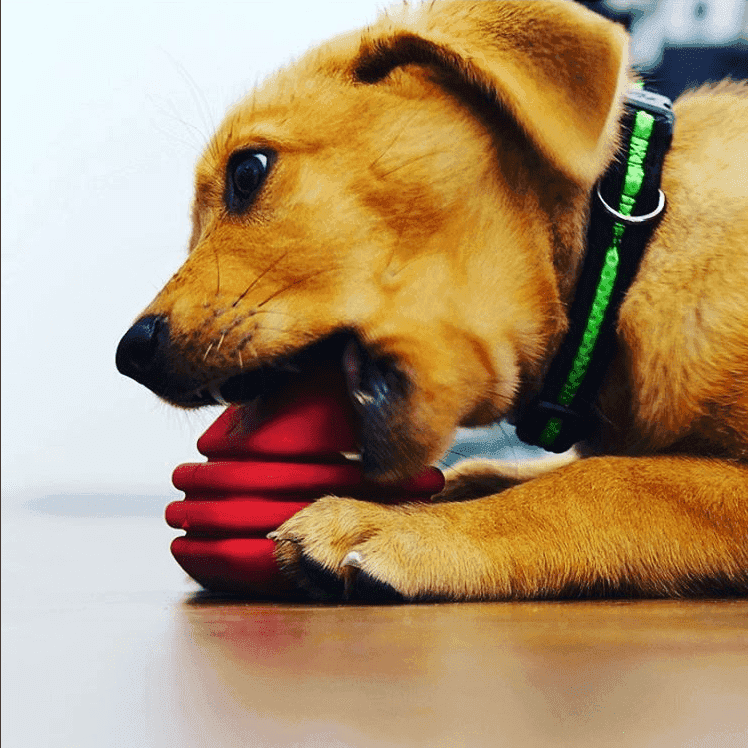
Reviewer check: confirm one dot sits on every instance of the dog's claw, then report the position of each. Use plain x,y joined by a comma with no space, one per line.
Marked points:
347,549
353,559
279,536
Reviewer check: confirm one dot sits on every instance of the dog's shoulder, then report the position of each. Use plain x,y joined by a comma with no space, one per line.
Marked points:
706,170
727,92
684,322
714,114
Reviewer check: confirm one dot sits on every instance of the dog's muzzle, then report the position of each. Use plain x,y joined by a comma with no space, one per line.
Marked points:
148,355
376,386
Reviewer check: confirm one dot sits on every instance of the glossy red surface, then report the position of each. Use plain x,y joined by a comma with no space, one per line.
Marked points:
267,461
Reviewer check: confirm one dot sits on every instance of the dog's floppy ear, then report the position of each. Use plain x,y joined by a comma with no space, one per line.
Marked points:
556,67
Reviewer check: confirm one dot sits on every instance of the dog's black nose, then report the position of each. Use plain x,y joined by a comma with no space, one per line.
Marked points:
148,355
139,353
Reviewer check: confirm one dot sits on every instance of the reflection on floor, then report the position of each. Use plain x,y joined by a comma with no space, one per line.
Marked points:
107,644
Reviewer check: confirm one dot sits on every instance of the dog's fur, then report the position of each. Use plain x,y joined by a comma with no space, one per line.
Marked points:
428,197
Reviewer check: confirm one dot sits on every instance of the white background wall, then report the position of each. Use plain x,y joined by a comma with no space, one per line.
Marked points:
105,107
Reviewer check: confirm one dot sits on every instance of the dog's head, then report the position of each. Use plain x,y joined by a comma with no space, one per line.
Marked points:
407,202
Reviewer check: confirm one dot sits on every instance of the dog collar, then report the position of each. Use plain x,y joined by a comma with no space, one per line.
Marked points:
564,412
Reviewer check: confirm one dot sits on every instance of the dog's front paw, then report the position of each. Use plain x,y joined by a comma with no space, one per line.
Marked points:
356,550
322,548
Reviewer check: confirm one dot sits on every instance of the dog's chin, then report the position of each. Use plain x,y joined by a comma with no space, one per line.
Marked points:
392,458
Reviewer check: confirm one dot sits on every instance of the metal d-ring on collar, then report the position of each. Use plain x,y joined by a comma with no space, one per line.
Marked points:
633,220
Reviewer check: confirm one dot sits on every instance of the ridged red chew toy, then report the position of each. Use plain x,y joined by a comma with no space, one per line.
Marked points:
267,461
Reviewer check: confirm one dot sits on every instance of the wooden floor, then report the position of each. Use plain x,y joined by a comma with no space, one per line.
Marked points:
105,643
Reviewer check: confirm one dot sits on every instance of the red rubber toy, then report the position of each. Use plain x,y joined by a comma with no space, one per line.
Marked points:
267,461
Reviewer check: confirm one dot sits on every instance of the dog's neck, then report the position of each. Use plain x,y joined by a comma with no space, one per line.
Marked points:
625,207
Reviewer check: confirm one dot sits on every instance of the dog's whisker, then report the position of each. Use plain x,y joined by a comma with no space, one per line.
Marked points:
200,100
410,162
172,137
394,140
385,151
272,329
243,342
272,311
270,267
236,323
218,271
205,355
169,111
295,283
220,342
173,115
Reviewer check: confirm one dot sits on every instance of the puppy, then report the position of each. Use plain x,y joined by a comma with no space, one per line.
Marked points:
411,202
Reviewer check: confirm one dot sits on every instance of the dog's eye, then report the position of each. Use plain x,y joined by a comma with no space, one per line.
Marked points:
245,174
249,173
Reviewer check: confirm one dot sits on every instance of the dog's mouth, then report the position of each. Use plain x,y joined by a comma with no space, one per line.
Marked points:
381,392
377,386
371,380
238,389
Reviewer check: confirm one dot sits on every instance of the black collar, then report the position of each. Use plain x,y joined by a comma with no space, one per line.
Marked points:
564,412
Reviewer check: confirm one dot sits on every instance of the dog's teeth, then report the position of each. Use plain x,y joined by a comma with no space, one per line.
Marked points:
215,393
363,398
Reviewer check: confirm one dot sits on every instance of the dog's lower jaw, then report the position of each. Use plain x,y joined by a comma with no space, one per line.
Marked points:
391,448
395,443
389,457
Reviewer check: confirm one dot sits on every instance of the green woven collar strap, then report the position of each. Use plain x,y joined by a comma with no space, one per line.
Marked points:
564,412
632,184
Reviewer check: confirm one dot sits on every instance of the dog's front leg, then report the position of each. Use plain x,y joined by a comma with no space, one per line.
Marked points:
654,527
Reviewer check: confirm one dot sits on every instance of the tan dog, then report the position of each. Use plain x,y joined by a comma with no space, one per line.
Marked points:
411,201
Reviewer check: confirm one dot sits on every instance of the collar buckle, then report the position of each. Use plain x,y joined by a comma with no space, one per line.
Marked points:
633,220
